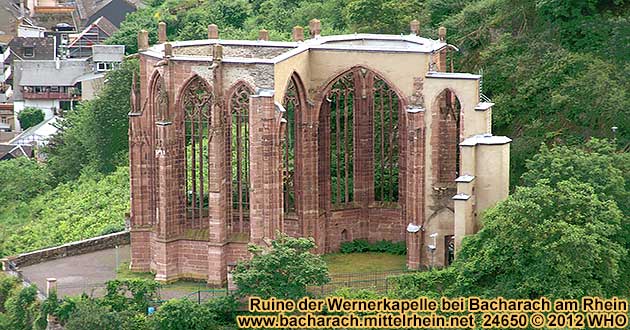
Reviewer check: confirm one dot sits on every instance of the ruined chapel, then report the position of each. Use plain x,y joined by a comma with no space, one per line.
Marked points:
360,136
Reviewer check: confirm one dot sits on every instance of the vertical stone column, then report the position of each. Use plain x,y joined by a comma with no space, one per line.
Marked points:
141,169
308,189
266,209
442,66
51,287
219,181
170,204
414,186
364,137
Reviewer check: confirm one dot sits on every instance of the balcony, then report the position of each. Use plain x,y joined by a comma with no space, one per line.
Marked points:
50,96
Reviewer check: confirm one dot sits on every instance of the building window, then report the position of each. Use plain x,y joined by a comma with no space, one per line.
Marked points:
341,114
291,104
197,101
386,142
28,51
105,66
54,88
239,147
449,250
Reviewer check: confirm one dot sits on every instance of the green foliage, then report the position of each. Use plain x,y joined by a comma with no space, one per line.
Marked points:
433,283
360,245
30,117
7,285
22,179
71,211
183,314
22,308
131,295
284,271
89,314
95,135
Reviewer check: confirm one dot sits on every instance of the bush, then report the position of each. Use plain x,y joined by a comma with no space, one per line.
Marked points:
361,245
30,117
183,314
283,271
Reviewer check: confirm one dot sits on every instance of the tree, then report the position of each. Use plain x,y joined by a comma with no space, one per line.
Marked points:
22,179
284,271
22,308
95,135
544,241
30,117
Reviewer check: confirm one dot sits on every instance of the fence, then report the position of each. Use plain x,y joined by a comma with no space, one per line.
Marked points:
375,281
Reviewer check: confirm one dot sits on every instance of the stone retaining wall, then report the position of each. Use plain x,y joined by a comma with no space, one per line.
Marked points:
71,249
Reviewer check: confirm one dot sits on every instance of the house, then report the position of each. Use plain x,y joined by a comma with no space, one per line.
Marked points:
38,135
94,34
12,151
57,85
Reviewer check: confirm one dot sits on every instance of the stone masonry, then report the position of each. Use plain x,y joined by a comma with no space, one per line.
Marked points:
337,138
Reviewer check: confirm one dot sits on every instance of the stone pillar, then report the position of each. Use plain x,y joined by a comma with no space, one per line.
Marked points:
213,31
464,222
170,206
263,35
414,186
51,287
442,65
298,33
143,40
307,191
315,27
364,136
266,209
219,182
162,32
414,27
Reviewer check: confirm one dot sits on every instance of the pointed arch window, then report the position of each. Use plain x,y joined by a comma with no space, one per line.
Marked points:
291,104
239,149
341,121
385,107
197,102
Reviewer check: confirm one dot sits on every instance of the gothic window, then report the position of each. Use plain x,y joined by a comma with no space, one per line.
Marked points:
341,97
386,145
239,147
291,104
197,102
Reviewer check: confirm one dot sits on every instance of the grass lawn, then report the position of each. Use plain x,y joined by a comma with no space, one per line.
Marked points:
338,263
178,288
364,262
